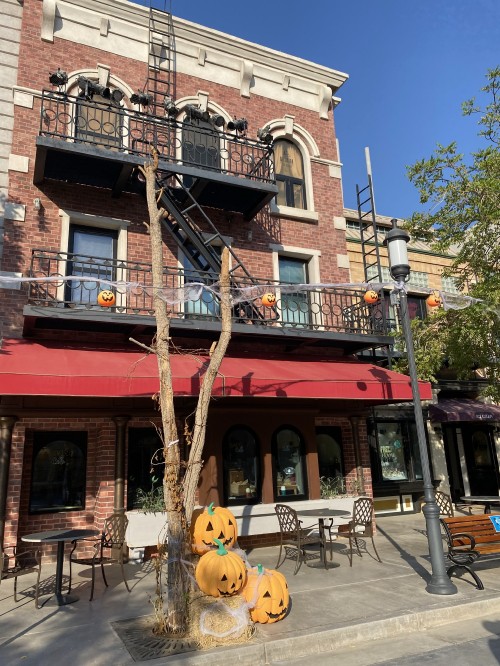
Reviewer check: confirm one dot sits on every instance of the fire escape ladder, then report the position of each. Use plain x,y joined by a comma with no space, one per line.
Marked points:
161,61
370,250
368,229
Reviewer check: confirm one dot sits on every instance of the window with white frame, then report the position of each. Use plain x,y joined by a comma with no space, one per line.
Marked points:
91,246
289,171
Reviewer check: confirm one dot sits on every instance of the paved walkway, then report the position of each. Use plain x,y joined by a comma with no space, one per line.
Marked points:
330,610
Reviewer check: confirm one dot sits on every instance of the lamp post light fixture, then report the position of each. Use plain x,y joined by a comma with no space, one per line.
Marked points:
396,242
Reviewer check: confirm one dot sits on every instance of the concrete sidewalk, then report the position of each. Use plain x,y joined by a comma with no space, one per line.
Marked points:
330,609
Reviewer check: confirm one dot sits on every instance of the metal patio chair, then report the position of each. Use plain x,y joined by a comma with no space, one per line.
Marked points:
19,564
112,538
294,539
360,526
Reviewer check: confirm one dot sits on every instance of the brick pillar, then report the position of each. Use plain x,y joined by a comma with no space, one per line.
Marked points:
6,430
354,421
121,430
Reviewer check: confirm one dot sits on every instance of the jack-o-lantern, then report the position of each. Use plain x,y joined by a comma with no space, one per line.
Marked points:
434,299
266,593
213,523
106,298
370,296
268,300
220,573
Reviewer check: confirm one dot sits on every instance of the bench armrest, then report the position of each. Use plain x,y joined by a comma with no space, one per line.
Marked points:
463,546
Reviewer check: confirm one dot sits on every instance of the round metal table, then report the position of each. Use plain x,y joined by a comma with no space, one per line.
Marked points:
321,515
486,500
60,537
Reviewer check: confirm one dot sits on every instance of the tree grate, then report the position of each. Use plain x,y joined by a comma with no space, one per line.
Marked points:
137,636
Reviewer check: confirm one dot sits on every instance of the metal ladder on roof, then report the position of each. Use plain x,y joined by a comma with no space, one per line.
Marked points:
161,59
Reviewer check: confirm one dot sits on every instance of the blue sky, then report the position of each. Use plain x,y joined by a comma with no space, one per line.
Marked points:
411,63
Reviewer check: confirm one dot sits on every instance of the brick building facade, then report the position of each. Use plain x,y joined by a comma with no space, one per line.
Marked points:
76,208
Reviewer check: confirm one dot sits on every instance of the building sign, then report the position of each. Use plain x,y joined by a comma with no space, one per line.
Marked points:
483,416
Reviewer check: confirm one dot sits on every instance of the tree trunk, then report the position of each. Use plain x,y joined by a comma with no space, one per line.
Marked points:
175,619
179,493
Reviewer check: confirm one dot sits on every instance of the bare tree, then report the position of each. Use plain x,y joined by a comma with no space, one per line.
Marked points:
181,477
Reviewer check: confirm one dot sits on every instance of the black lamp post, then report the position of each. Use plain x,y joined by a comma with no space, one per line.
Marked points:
397,245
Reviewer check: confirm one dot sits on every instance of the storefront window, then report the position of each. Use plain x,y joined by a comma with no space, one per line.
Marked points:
145,465
241,466
391,449
59,472
396,452
330,458
290,477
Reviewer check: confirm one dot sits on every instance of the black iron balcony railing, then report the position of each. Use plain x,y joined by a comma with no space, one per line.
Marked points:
109,126
74,281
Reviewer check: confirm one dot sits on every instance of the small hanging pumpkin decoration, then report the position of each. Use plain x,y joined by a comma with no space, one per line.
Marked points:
220,573
213,523
268,300
370,296
434,299
106,298
266,592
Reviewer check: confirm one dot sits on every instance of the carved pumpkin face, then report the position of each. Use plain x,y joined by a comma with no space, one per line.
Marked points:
220,573
106,298
213,523
370,296
268,300
266,594
434,299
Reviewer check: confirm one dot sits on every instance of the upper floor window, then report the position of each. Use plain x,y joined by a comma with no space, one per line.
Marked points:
200,143
92,253
99,118
450,285
295,307
289,170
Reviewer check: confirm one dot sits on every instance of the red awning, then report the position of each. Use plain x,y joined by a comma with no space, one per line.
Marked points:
48,368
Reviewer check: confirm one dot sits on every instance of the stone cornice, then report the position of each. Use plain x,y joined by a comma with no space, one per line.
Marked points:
189,37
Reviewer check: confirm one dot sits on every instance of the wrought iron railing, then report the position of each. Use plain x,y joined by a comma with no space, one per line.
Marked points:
73,281
110,126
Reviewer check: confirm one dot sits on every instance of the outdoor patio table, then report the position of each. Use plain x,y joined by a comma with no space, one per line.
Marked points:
60,537
321,514
487,500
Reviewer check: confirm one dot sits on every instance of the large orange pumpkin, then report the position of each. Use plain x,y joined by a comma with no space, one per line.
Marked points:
106,298
370,296
434,299
213,523
220,573
266,592
268,300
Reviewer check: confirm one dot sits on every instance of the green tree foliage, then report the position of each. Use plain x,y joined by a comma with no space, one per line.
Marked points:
463,217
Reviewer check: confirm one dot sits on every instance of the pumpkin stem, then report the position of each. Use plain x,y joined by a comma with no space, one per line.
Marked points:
220,550
260,569
210,509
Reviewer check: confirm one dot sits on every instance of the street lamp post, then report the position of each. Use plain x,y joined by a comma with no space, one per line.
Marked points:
397,245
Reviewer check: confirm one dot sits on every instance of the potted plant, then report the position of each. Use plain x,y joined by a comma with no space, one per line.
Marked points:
147,522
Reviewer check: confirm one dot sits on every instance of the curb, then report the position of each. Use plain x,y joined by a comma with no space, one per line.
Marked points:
330,640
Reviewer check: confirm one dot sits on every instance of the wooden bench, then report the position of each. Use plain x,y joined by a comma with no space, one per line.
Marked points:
470,537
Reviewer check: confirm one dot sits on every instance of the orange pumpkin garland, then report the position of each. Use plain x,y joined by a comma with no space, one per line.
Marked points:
268,300
106,298
434,299
370,296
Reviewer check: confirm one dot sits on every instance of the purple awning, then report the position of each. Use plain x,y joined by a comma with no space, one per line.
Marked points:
463,410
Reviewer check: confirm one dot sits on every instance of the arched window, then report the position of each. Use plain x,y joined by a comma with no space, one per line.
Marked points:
289,170
99,117
58,476
289,463
241,455
330,456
